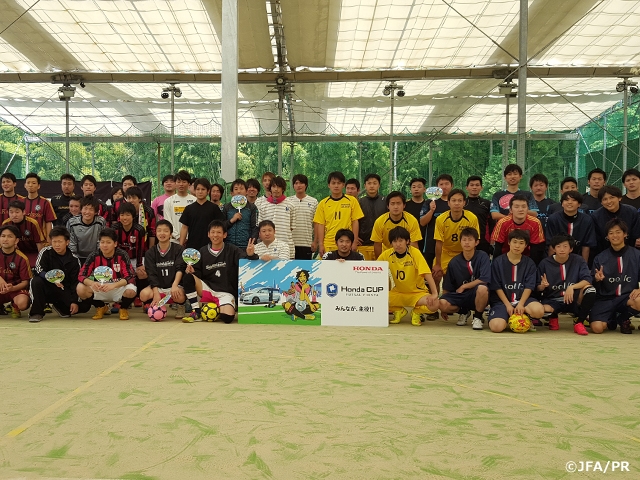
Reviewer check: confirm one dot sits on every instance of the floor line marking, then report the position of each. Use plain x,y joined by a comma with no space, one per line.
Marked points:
40,415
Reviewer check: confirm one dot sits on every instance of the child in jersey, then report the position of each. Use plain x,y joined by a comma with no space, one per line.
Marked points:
565,283
131,238
269,248
616,272
32,238
335,212
344,241
447,232
513,278
15,272
36,206
409,272
121,289
165,268
215,277
62,295
466,283
573,222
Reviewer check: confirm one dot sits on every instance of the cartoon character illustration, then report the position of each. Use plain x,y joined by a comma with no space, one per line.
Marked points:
300,304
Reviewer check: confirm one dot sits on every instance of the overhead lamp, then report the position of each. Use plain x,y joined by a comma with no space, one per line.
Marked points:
280,81
506,88
82,84
177,92
400,93
387,91
66,92
620,87
633,89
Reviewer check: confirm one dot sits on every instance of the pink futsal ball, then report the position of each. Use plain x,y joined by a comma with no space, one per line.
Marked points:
157,314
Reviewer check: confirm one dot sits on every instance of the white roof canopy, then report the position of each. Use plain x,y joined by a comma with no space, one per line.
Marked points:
340,55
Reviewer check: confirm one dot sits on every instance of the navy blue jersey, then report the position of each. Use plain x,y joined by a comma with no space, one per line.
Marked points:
590,204
561,275
627,214
461,270
512,279
621,271
579,226
544,210
500,201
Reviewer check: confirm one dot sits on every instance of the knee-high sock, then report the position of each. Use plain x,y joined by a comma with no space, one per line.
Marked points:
189,285
588,299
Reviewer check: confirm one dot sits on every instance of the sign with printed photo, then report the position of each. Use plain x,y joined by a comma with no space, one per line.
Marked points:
279,292
313,292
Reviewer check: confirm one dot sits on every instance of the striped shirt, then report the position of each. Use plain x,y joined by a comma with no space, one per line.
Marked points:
277,248
119,263
40,210
283,216
132,241
304,210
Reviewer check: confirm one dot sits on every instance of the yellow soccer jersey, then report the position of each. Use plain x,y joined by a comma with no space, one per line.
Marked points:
384,224
408,270
448,231
336,215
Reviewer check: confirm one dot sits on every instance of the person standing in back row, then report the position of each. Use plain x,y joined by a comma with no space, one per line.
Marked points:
502,198
416,204
175,204
373,205
304,208
481,208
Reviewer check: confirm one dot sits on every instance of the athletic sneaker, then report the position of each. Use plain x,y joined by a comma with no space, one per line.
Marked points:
536,322
192,317
137,302
477,324
124,314
15,313
47,308
554,324
462,319
432,317
579,329
35,318
625,327
397,316
180,312
100,311
415,319
60,314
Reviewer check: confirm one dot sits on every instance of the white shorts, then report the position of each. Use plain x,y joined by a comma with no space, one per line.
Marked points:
114,295
167,292
224,298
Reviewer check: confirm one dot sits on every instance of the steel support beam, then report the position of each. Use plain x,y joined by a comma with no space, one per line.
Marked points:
327,75
522,82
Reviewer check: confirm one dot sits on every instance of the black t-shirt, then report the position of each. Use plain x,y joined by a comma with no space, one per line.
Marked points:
414,208
197,217
590,203
336,256
544,210
634,202
441,207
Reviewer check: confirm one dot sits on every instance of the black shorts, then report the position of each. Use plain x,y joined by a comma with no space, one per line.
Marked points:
605,309
559,306
466,300
499,310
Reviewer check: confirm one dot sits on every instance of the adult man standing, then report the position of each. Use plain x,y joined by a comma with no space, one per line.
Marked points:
176,203
596,179
60,203
169,186
417,203
373,205
304,207
481,208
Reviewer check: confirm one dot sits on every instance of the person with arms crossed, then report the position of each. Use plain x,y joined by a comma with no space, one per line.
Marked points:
409,272
466,283
373,206
565,283
335,212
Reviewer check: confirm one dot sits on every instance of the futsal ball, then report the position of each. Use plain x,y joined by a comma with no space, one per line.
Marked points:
209,312
519,323
157,314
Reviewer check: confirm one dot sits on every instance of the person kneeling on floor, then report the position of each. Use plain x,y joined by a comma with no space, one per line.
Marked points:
121,288
409,272
61,295
16,273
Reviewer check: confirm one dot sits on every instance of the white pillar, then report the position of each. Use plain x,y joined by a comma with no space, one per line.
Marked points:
522,82
229,134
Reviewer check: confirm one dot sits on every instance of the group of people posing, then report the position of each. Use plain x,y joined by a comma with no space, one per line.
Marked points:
518,253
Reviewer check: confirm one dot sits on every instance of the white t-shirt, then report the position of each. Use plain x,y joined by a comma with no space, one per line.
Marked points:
173,208
304,210
278,248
